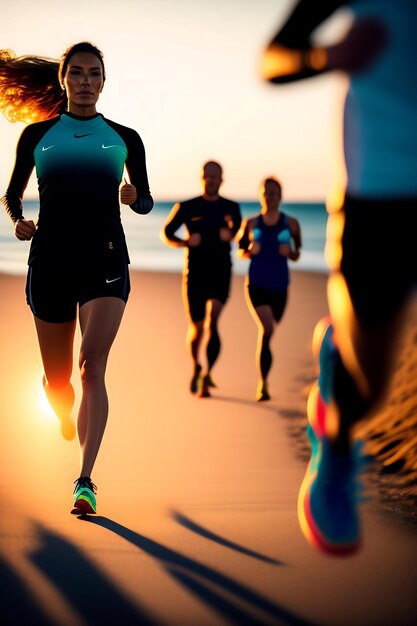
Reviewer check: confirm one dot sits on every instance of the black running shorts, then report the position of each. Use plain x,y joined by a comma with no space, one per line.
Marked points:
53,293
277,300
199,287
379,259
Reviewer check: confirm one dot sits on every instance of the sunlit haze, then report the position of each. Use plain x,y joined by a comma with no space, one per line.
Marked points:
186,76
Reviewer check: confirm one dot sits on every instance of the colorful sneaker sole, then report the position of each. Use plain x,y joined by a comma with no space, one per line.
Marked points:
316,412
83,507
310,531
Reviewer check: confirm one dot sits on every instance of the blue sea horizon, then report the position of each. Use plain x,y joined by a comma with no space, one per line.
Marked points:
147,252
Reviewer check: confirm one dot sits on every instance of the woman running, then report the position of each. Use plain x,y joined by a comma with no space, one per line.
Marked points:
268,239
78,255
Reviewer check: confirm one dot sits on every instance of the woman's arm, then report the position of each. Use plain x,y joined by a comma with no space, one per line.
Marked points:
244,239
135,193
295,231
23,167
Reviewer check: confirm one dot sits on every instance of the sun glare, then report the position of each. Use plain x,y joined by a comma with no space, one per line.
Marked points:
45,406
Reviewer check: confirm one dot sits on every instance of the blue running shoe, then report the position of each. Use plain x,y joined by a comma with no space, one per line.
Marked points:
84,496
329,495
328,498
328,503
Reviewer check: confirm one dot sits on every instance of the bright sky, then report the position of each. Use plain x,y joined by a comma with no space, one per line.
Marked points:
184,74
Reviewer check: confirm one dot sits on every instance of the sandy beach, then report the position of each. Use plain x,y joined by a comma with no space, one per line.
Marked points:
197,521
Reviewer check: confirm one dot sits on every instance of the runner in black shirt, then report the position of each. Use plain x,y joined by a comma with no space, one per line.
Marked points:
211,223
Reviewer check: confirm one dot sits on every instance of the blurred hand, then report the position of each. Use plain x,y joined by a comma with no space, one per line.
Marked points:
194,240
225,234
284,249
128,193
24,229
254,248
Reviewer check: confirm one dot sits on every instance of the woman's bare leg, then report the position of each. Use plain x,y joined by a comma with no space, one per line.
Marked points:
265,322
56,346
99,321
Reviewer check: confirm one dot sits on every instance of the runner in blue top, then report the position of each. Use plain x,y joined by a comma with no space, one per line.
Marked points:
268,240
78,257
372,280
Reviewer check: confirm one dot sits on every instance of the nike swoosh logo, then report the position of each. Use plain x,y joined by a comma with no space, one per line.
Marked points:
112,146
45,148
112,280
79,136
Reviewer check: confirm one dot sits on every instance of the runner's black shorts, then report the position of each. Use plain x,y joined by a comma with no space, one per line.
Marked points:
199,287
379,256
259,296
54,293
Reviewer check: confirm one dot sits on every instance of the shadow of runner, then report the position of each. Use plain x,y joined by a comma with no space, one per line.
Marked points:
16,601
207,534
208,584
88,590
259,406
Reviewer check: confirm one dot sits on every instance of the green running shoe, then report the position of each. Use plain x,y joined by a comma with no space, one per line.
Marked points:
84,496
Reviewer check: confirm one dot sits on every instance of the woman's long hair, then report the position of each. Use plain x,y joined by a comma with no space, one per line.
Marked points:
31,87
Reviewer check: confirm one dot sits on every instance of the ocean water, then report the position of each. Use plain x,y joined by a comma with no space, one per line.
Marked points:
147,252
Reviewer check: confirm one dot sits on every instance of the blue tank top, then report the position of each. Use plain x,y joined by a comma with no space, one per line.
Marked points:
269,269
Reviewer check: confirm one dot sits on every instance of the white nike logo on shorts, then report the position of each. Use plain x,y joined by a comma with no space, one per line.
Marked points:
44,149
112,280
112,146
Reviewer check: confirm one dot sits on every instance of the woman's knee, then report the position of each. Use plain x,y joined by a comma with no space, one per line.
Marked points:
57,380
91,366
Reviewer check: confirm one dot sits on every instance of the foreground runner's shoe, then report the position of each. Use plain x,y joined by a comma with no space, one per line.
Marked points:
328,498
262,392
328,501
195,379
84,496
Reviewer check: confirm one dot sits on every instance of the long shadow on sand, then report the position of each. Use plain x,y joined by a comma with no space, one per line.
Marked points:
279,411
208,534
263,406
220,592
17,605
85,588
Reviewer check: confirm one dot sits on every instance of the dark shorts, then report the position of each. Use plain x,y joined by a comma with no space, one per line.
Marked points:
53,293
379,259
277,300
198,288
